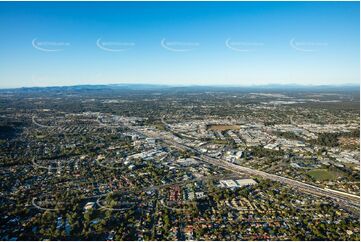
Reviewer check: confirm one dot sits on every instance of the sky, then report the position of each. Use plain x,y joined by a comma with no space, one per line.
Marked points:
179,43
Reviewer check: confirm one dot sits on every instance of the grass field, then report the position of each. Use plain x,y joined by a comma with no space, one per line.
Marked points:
222,127
324,174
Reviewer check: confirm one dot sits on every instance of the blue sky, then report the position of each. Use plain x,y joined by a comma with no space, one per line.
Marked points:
179,43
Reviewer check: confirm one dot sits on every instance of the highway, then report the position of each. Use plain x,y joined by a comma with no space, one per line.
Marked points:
339,196
342,198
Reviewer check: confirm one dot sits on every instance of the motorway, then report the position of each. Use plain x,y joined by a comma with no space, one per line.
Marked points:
345,199
341,197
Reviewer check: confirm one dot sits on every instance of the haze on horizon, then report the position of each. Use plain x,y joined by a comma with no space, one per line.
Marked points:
179,43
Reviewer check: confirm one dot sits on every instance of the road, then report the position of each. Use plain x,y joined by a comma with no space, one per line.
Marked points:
346,199
342,197
41,125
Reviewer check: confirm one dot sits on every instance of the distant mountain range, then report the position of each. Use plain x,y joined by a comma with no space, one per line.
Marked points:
154,87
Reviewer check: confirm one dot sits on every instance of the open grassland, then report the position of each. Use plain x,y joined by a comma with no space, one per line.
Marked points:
324,174
222,127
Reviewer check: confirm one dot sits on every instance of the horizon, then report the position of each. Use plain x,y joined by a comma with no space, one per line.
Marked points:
260,86
180,121
179,43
